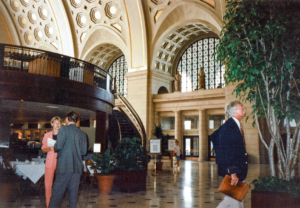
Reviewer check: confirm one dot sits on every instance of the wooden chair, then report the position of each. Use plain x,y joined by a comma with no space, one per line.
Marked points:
10,174
88,174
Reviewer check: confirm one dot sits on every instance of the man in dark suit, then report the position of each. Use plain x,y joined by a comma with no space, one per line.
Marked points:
70,145
231,155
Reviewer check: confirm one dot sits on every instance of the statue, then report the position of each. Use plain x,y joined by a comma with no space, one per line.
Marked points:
177,82
201,79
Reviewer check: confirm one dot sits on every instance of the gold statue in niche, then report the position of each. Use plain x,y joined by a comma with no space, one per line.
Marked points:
201,79
177,81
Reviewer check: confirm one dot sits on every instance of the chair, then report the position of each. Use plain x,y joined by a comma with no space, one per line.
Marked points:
9,173
88,174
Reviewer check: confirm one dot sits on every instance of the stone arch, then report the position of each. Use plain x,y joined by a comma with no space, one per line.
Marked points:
105,40
173,34
63,25
7,27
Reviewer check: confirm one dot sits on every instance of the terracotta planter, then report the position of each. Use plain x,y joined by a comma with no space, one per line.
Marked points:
130,181
159,165
105,183
267,199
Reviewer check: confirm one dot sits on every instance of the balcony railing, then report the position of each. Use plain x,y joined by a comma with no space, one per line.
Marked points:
35,61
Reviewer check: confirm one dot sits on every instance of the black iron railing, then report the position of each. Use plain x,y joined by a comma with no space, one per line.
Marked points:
35,61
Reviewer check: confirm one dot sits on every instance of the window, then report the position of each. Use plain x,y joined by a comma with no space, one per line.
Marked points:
198,55
117,70
216,121
167,123
191,122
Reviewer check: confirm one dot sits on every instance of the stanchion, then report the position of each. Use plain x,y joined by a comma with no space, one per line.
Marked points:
155,174
171,152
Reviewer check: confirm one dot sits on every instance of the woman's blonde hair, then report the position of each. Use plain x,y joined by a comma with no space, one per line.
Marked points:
56,118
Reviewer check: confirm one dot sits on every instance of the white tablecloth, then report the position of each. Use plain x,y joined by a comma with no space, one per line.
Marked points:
28,170
39,160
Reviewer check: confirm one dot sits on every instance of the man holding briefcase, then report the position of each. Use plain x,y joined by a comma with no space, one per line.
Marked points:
231,155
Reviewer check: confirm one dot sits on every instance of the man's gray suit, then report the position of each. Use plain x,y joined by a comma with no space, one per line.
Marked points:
70,146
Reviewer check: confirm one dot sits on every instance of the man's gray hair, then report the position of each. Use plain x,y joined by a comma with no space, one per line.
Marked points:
231,107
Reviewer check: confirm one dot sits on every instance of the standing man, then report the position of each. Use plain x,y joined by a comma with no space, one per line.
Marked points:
71,144
231,155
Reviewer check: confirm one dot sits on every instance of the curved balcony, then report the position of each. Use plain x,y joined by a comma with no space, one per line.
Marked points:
35,61
35,75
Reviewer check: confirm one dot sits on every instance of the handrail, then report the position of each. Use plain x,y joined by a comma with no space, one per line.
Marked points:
137,120
41,62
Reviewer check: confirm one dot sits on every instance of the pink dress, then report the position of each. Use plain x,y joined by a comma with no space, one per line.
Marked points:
50,167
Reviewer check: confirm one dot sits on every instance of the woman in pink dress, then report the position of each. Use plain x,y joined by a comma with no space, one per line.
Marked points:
51,156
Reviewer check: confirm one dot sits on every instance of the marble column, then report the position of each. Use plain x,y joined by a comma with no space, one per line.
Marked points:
203,138
178,128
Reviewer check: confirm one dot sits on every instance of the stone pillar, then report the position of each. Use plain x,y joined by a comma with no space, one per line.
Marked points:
203,139
137,96
157,118
178,129
102,124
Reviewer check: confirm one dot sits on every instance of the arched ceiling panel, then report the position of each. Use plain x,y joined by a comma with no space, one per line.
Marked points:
34,22
86,16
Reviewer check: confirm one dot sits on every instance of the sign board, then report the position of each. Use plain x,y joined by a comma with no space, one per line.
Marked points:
155,146
171,144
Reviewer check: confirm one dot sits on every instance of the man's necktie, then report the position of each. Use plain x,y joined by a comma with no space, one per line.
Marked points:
242,133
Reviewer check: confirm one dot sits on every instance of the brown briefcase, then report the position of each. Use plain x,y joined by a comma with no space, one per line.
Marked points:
237,192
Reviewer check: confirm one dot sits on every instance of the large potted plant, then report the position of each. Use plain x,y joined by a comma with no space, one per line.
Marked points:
259,47
105,164
130,165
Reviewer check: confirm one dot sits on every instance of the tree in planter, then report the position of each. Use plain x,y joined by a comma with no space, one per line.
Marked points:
260,48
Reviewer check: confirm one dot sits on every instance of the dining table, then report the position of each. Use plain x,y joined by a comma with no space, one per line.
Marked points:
32,170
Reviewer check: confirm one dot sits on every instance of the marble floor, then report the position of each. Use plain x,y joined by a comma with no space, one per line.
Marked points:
195,184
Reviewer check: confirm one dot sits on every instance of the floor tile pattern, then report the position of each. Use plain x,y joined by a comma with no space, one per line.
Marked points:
194,184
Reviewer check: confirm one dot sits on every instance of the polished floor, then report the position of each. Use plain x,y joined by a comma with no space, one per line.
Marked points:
195,184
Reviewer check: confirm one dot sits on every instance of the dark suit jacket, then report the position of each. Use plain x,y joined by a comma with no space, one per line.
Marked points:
70,145
231,155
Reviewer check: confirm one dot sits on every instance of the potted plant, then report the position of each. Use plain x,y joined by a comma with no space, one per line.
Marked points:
130,165
272,191
104,163
261,55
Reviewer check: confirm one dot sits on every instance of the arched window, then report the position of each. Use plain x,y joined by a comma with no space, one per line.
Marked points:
197,55
117,70
162,90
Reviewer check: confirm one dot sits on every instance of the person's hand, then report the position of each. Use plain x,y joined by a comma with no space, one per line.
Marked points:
234,179
51,148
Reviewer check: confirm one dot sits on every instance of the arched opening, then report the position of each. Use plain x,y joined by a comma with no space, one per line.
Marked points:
197,55
162,90
117,70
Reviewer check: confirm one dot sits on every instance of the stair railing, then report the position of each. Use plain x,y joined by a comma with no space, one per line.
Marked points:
135,117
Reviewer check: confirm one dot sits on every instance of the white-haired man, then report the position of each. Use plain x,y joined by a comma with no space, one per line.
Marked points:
231,155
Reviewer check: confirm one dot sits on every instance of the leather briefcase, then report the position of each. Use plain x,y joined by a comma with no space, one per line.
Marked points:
237,192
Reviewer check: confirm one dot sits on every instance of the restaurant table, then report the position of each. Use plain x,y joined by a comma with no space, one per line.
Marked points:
39,160
32,170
